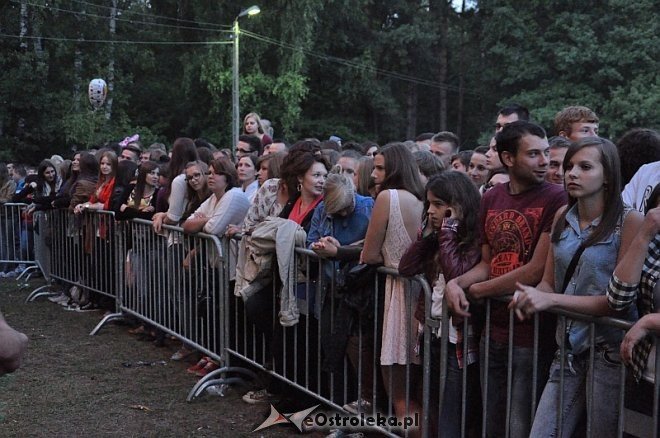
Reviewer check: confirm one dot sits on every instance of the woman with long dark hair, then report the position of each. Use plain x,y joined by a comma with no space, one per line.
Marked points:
595,229
141,202
393,228
448,246
183,152
42,192
63,197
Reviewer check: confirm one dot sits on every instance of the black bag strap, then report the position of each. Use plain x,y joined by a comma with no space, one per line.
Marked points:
571,267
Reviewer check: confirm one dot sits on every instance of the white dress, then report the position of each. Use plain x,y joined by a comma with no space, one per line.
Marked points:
399,322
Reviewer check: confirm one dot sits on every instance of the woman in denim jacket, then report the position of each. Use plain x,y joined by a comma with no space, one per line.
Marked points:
595,218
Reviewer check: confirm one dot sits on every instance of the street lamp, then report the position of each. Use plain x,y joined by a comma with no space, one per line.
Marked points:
236,114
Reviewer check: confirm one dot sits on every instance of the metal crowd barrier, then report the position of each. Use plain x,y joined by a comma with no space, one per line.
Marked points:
158,290
629,421
16,238
297,356
85,251
144,273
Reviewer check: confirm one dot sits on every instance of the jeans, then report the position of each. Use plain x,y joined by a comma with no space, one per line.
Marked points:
495,382
605,409
449,422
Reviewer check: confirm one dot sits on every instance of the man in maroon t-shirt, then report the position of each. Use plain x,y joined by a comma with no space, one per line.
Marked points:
515,234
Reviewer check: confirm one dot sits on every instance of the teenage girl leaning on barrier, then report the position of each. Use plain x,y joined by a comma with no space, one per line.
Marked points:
596,220
448,246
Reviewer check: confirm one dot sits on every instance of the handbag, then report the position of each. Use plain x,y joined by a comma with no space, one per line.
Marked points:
358,286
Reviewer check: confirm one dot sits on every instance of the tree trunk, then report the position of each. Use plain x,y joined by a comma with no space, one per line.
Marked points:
461,74
411,103
23,24
78,64
111,62
37,44
77,78
442,73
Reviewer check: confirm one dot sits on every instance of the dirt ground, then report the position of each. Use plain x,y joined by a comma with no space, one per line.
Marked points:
76,385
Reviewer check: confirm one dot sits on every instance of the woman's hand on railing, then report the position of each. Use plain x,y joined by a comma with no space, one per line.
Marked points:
528,300
78,209
158,221
642,328
326,247
232,229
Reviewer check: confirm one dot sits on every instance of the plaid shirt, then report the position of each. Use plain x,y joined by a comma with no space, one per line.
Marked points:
620,295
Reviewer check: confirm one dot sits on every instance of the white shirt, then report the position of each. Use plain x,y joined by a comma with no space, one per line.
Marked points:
251,190
230,209
638,190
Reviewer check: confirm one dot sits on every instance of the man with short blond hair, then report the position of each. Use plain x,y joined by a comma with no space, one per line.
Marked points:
576,122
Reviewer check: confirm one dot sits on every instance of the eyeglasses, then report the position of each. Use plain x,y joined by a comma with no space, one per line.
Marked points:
194,176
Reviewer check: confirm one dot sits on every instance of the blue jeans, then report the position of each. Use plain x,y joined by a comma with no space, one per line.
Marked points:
449,422
605,409
496,384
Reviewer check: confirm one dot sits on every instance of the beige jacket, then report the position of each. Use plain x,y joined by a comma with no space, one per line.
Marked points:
255,262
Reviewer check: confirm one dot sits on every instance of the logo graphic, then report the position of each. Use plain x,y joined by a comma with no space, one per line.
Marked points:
276,417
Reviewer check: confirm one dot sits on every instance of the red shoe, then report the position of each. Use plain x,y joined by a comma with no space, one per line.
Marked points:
198,366
210,366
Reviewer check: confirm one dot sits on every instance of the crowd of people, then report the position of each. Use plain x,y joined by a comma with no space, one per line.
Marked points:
556,223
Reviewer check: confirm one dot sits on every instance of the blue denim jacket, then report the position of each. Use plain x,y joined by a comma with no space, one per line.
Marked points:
346,230
591,277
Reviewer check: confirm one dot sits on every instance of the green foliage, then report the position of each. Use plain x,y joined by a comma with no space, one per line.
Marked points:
599,54
354,68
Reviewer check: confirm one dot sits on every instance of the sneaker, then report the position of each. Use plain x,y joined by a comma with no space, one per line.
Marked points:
260,396
208,368
87,307
219,390
357,406
198,366
11,274
19,270
58,298
181,354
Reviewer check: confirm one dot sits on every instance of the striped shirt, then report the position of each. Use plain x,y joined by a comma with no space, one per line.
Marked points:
620,295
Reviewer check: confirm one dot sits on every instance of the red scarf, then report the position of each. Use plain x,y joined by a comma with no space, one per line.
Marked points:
104,193
297,215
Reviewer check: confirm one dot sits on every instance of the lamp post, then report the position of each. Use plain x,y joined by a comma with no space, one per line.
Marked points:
236,114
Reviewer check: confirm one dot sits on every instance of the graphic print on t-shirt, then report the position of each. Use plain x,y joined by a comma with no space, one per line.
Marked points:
510,235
